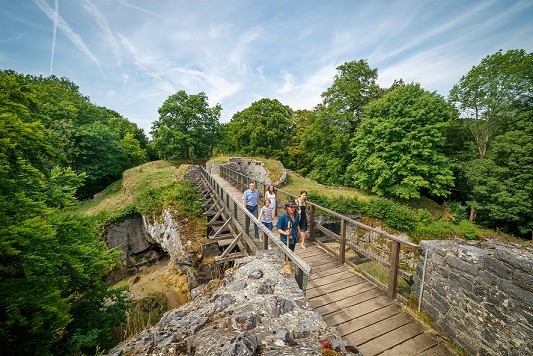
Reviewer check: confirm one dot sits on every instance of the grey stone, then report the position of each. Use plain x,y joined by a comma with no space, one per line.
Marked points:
223,302
206,325
198,324
162,339
523,280
243,345
499,268
282,306
245,321
266,287
482,299
515,291
461,265
256,274
239,285
283,335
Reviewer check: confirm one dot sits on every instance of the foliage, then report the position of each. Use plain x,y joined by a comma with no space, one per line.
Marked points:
295,156
503,181
187,127
51,262
490,98
262,129
336,120
393,214
354,86
398,148
490,91
326,140
81,135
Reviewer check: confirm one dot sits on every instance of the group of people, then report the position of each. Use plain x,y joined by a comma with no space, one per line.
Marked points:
291,224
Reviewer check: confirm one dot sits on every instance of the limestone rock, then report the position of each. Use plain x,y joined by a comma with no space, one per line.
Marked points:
249,313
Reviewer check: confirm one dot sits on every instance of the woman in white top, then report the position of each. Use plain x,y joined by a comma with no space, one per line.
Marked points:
271,194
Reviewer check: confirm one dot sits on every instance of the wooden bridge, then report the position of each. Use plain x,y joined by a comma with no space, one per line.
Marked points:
365,314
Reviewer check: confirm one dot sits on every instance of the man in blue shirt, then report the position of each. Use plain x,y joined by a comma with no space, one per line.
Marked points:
288,225
250,200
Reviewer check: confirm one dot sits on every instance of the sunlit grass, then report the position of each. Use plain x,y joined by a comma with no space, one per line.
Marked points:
121,194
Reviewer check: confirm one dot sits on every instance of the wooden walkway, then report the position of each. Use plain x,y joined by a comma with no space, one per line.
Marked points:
364,315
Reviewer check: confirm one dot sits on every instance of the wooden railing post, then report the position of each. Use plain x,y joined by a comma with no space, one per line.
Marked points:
342,247
311,223
393,271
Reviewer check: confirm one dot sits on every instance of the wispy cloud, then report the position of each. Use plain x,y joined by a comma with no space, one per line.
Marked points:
67,30
125,3
56,14
104,26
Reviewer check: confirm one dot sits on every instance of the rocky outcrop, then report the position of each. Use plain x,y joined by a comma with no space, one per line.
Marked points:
142,241
257,309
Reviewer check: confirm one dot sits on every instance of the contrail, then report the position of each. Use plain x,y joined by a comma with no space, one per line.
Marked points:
54,36
67,30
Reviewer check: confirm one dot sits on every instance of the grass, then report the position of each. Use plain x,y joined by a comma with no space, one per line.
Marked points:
157,174
146,189
296,183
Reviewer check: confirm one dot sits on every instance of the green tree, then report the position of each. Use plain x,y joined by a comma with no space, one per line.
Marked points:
335,121
49,262
263,129
487,97
398,148
295,156
97,151
187,127
503,181
132,148
327,139
352,89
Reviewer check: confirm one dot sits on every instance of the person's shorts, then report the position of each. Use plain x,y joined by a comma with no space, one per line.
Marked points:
268,225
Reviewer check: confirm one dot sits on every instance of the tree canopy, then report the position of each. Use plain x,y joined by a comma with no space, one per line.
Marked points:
336,120
264,128
490,98
398,148
187,127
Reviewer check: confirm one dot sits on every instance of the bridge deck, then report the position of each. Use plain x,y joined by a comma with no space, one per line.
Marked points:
364,315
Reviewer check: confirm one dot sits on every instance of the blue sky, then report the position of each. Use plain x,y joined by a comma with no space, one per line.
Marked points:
131,55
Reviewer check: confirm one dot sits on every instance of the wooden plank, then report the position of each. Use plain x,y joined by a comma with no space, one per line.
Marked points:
332,278
373,317
354,311
412,346
325,266
333,287
327,272
344,300
438,350
388,340
339,291
376,330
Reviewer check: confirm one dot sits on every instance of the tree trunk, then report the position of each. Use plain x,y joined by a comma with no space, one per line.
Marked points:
473,213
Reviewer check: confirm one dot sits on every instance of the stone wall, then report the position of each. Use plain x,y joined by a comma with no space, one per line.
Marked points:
479,294
251,168
258,309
